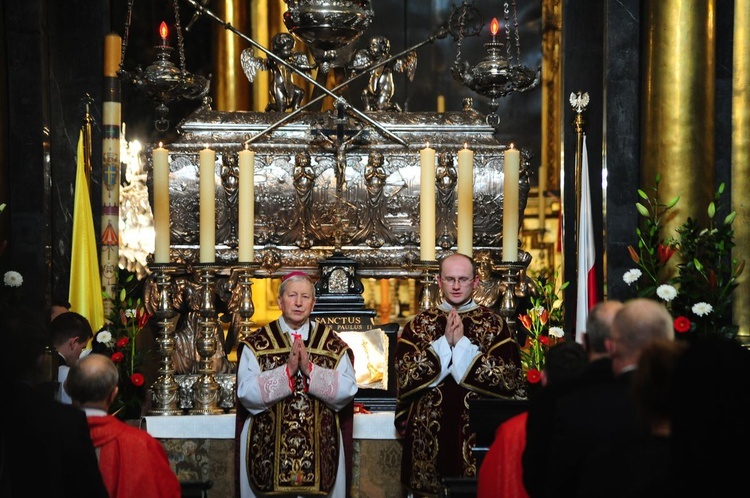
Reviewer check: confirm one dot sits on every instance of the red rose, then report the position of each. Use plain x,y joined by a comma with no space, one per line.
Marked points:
117,357
123,342
533,376
681,324
137,379
544,339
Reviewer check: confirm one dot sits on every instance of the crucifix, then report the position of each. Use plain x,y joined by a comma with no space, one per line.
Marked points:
340,144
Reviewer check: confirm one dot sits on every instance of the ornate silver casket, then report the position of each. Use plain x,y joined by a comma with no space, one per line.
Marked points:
303,217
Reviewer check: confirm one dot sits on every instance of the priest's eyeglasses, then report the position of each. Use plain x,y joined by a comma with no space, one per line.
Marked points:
462,281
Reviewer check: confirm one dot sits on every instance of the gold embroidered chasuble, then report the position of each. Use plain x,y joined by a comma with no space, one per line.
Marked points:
434,422
294,446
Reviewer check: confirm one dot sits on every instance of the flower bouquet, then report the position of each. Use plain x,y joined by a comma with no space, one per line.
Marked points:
118,339
698,289
539,337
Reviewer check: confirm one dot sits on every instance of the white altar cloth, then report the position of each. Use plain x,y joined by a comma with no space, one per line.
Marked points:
375,425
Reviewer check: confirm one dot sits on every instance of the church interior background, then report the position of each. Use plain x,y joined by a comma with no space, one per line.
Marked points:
666,82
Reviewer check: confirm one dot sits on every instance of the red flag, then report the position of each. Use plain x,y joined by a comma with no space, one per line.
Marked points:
587,292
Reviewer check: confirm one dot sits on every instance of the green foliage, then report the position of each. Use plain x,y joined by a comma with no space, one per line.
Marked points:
119,339
706,274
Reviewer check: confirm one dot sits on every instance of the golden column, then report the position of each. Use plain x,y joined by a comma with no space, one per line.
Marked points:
231,87
267,20
678,104
741,159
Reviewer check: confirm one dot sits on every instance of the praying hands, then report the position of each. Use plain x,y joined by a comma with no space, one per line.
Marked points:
298,358
454,328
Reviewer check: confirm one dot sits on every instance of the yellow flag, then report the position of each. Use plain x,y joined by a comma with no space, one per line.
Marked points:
85,294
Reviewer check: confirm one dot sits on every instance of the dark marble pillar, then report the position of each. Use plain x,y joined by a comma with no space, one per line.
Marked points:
583,70
54,59
622,143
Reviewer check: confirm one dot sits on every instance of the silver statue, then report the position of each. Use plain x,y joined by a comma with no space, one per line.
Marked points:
285,94
380,89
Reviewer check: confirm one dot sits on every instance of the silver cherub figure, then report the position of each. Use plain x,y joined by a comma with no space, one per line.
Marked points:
285,94
380,89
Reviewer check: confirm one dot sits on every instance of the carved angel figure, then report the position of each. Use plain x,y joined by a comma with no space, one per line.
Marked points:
285,94
380,89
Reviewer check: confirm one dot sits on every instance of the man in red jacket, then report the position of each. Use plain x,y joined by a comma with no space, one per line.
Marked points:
133,463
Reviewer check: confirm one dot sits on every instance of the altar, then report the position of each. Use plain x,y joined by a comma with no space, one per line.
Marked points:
201,449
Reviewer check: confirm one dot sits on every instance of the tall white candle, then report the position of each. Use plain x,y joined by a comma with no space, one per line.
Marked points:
207,206
427,204
510,204
160,157
246,206
465,220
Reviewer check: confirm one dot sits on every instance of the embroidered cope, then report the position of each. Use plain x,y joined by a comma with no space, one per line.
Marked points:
435,383
291,442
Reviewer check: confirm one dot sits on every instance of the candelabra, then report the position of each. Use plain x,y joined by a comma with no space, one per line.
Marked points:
245,308
165,389
206,388
429,295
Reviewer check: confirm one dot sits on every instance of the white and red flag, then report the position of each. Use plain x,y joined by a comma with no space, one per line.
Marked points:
586,292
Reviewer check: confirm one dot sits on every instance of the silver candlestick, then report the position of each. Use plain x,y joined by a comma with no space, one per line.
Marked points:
511,274
429,296
246,309
206,388
165,390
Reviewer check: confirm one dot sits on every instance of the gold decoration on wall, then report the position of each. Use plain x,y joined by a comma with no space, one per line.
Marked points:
741,158
551,92
677,133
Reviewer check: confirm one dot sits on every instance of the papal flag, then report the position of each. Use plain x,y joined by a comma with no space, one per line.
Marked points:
85,293
587,292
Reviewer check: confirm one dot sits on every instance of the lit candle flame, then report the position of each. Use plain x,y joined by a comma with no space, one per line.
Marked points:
163,31
494,27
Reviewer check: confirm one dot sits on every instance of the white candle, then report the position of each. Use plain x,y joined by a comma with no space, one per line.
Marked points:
246,206
511,163
427,204
207,206
465,220
160,158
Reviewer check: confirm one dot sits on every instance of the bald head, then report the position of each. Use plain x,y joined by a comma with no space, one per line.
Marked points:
638,323
92,381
